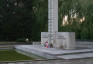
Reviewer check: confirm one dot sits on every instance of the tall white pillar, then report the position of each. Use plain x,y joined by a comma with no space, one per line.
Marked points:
52,20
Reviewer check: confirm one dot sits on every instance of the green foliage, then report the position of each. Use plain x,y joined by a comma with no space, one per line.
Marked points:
40,12
21,40
28,18
15,19
83,9
84,33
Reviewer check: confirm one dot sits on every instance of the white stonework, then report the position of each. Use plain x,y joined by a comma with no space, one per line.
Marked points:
52,20
64,40
44,37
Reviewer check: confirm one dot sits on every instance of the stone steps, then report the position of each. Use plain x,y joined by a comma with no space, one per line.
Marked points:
76,56
70,52
53,53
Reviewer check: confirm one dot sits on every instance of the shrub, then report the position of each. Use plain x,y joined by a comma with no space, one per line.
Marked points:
21,40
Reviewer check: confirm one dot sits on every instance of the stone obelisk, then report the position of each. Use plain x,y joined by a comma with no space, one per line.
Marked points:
52,20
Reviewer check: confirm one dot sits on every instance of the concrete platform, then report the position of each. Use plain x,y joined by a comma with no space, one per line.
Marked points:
53,53
77,56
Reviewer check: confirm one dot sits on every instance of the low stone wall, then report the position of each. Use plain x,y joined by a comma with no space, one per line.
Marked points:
36,43
84,44
6,47
60,61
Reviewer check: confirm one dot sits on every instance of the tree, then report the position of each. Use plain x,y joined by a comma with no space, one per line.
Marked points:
28,18
79,17
40,12
16,19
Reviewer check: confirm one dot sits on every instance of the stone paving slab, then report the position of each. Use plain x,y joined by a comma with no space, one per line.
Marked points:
50,53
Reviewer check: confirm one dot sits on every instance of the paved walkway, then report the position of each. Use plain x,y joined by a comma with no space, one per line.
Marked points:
55,61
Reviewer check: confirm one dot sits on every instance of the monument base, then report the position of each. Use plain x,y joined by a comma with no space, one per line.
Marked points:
53,53
64,40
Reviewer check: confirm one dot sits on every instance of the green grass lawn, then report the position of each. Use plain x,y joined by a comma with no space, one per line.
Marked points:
11,55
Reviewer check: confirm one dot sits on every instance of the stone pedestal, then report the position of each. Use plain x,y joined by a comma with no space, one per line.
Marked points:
64,40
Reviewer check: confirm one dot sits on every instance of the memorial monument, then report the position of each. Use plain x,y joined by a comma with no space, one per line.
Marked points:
59,41
64,40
